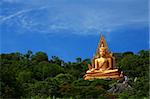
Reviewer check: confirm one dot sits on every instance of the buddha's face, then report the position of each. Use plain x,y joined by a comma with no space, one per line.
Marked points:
102,51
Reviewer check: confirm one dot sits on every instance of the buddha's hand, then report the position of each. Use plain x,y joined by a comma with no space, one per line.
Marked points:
101,70
100,65
108,68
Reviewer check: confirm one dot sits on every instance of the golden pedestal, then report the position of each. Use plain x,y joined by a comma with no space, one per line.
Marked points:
107,74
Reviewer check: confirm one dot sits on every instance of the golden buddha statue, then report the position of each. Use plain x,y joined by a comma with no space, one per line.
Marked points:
103,64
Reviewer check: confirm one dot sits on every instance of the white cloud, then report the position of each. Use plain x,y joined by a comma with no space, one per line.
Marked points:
5,18
81,19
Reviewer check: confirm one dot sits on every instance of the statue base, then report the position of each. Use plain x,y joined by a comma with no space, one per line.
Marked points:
107,74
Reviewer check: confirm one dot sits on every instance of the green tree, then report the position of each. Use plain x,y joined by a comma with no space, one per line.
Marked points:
144,53
78,60
57,60
40,56
28,55
128,53
24,76
44,69
64,78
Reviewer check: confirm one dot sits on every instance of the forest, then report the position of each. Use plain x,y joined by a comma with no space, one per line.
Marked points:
35,76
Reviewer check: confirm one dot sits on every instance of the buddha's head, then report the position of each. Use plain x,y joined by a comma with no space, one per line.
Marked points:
102,51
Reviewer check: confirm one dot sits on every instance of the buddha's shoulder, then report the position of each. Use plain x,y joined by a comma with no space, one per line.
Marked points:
97,59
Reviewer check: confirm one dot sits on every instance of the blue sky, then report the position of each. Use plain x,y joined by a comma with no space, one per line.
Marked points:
72,28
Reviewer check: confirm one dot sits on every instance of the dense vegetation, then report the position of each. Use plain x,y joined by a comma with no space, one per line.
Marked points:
35,76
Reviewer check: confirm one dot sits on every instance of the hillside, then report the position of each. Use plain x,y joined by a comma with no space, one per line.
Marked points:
35,76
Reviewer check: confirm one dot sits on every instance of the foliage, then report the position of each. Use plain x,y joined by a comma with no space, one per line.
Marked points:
35,76
40,56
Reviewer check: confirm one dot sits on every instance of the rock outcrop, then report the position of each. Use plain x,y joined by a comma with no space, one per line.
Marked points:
122,85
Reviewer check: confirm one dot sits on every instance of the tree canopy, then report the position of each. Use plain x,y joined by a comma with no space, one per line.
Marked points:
35,76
